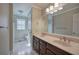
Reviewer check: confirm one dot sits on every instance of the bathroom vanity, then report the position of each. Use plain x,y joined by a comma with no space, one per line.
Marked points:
45,44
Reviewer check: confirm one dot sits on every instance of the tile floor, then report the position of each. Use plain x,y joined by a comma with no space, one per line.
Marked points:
23,48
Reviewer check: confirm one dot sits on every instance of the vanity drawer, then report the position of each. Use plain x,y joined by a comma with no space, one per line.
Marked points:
43,43
48,52
42,50
56,50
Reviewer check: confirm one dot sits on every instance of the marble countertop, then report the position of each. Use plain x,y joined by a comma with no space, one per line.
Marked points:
71,47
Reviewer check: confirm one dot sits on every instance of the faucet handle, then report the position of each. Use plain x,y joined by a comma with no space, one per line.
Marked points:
61,38
64,38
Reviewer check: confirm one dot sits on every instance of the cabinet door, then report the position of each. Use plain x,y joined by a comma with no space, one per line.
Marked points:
42,47
36,44
42,50
56,50
33,43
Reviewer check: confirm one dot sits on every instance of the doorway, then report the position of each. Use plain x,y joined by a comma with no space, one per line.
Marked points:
22,32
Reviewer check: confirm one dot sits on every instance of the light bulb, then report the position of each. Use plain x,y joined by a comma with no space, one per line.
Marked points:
51,7
47,9
51,12
56,5
60,8
55,10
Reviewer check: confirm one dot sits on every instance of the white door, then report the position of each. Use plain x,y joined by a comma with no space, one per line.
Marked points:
4,30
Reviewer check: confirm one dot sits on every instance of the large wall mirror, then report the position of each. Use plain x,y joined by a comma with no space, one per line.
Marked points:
66,21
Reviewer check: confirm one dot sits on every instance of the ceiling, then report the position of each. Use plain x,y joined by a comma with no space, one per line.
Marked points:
26,7
41,5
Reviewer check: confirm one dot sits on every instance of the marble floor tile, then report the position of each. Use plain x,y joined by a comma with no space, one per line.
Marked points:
23,48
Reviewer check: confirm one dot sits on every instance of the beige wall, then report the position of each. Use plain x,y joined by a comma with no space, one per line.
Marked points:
63,23
39,21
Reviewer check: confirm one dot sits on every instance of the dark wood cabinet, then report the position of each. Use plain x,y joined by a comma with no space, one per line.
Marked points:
44,48
56,50
49,52
36,44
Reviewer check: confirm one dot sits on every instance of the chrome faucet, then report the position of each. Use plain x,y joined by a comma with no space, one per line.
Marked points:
64,39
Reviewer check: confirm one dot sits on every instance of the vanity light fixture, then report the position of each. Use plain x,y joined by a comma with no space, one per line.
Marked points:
54,8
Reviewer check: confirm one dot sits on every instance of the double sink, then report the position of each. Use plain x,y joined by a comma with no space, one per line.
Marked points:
58,40
70,45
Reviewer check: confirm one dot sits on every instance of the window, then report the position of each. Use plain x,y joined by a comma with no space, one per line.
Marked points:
20,24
